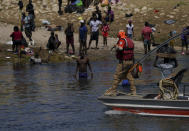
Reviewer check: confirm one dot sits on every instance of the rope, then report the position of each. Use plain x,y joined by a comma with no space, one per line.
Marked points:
163,90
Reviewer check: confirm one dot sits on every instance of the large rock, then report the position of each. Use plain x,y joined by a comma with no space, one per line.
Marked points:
149,9
55,8
170,16
136,10
44,3
14,1
132,6
173,13
161,14
157,17
184,16
144,8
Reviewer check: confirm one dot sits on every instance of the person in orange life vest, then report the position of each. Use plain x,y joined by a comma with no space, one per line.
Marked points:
125,55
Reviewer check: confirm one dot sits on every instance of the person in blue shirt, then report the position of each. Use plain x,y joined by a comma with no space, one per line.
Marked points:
83,37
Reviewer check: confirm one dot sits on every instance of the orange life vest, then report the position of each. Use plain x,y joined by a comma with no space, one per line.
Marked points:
128,49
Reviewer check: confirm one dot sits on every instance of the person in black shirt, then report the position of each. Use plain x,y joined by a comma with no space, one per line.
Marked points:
51,42
60,5
20,4
29,8
98,13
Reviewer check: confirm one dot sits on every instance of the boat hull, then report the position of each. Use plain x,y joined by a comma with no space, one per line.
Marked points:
152,107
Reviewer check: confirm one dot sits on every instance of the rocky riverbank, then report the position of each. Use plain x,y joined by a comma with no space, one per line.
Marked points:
41,36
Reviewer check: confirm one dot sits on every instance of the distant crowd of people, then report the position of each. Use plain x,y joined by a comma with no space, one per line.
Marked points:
96,23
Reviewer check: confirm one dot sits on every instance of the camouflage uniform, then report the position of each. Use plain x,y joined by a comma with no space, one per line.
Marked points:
122,70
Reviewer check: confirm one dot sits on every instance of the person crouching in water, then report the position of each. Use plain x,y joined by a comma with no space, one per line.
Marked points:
17,39
125,55
82,64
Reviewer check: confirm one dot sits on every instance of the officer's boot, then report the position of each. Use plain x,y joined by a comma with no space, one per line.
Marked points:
132,88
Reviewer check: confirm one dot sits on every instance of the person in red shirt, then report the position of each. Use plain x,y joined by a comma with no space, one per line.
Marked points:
125,55
105,28
147,37
16,38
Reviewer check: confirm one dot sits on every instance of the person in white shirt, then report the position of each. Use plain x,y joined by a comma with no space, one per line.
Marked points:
130,29
94,24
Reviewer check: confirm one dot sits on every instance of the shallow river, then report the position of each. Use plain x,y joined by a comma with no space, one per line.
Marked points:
46,97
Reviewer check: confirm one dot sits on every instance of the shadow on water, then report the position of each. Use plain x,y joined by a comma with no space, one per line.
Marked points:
47,97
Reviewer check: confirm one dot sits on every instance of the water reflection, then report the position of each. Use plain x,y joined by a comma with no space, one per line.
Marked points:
24,88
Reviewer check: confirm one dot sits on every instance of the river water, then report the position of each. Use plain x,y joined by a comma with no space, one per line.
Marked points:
47,97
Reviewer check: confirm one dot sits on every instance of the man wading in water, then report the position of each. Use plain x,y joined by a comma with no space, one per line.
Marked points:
82,64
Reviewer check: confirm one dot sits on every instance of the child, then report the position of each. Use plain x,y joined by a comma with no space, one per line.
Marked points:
17,39
105,29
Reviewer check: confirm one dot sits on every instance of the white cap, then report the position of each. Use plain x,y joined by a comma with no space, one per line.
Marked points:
81,21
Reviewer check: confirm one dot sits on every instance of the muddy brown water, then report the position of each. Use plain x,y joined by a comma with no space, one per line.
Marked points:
46,97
